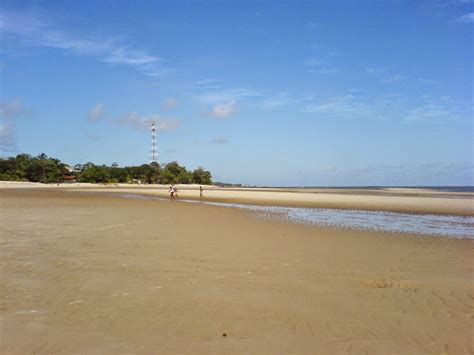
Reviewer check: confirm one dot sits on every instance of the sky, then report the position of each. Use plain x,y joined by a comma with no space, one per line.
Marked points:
272,93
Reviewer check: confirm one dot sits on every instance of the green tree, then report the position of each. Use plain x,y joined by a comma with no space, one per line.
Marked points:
46,169
174,168
167,177
201,176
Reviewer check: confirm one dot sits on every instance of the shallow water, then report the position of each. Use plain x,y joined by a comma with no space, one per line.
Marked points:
394,222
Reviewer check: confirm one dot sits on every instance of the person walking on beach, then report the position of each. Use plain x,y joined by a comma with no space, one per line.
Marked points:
200,191
171,192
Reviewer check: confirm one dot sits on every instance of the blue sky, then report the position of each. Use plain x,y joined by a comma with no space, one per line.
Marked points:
285,93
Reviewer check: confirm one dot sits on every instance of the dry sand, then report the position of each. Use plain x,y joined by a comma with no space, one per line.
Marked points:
95,274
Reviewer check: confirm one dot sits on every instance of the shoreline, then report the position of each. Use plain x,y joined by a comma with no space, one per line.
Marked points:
416,201
369,220
444,226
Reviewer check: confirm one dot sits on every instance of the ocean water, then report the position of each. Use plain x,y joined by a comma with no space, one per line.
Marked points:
383,221
434,188
377,221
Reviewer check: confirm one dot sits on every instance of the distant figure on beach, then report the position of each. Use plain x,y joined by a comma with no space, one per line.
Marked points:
200,191
171,192
175,190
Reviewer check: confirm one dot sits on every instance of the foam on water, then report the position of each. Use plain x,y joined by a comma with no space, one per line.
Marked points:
420,224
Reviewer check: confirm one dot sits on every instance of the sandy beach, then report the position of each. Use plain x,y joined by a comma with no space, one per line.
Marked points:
93,273
424,201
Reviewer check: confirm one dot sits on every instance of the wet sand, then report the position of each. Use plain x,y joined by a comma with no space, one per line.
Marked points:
83,273
421,201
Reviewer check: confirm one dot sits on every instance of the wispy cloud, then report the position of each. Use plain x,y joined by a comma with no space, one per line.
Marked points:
391,79
125,55
7,136
325,62
384,75
220,140
375,70
33,31
312,25
96,113
430,112
425,109
222,111
425,80
226,95
169,103
278,100
340,106
208,84
468,18
321,66
12,109
443,168
142,123
10,112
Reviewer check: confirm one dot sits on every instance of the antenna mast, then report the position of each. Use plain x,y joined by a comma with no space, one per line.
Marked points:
154,150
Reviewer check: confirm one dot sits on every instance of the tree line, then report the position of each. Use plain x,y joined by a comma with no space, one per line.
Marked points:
42,168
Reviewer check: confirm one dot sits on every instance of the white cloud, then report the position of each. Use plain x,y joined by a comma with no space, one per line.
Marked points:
223,103
135,121
224,110
10,111
7,136
33,31
96,113
169,104
468,18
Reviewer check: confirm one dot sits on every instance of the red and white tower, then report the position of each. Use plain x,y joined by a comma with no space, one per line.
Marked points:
154,150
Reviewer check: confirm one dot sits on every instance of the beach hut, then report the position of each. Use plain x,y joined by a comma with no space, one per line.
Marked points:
69,179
